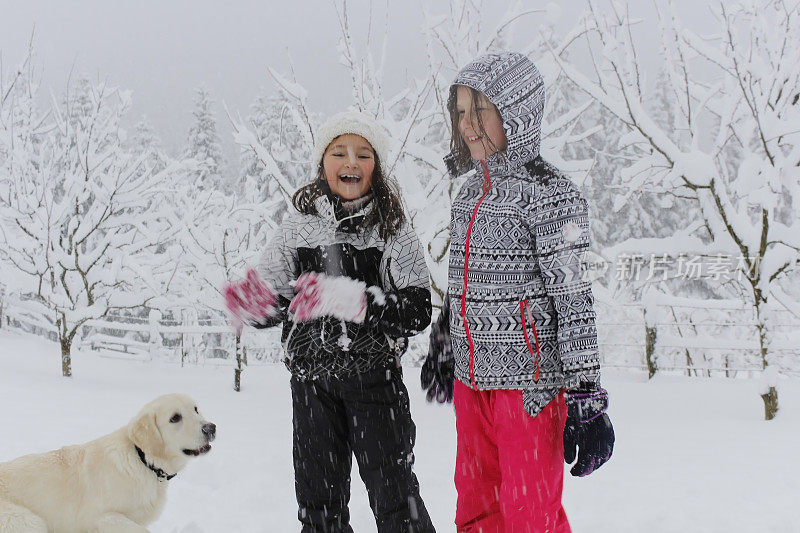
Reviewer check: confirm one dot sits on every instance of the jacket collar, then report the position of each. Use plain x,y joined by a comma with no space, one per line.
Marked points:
497,163
345,215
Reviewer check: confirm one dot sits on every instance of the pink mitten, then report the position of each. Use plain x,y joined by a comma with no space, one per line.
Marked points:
249,300
337,296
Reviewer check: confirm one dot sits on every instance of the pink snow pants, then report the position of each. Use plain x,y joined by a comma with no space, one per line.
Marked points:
509,465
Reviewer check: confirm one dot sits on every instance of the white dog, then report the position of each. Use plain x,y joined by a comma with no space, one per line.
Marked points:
116,483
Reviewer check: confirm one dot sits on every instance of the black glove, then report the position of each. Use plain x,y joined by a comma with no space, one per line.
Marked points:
588,432
437,378
439,368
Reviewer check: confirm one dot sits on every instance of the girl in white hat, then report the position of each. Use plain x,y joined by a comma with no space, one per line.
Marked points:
346,276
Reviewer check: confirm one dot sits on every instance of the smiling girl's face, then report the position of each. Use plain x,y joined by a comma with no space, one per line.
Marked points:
481,141
348,163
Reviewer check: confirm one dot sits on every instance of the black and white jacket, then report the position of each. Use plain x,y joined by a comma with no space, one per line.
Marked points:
332,242
522,315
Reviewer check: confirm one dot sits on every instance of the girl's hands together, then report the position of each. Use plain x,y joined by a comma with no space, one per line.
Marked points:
321,295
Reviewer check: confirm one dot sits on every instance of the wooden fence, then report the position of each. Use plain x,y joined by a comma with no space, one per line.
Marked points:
686,338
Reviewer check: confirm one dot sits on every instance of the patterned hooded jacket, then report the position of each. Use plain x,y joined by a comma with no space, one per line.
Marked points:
521,315
333,242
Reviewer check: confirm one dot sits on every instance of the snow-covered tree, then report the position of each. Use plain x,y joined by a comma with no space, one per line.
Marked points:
279,123
21,133
77,211
146,141
735,145
277,165
203,142
217,235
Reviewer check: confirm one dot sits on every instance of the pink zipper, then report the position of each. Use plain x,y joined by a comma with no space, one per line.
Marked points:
487,184
523,309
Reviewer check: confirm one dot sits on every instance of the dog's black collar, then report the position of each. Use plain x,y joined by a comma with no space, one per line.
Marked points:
159,473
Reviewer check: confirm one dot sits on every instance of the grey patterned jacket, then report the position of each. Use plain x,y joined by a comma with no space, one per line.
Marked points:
521,315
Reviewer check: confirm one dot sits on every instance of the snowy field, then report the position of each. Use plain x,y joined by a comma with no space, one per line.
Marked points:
691,455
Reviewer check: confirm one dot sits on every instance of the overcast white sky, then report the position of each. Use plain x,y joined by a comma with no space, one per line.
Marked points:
163,49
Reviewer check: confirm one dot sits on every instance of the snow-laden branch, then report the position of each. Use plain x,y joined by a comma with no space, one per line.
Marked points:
733,99
245,137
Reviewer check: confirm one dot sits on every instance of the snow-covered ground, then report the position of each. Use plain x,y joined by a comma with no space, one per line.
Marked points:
692,455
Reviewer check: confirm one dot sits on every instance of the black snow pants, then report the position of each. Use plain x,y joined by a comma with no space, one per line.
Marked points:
368,416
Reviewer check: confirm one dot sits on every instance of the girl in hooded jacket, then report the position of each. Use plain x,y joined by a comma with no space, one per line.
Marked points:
346,276
515,346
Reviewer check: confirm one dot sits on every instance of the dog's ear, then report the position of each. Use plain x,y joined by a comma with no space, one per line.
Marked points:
144,433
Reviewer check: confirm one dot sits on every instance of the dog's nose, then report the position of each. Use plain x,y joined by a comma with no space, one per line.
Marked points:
210,430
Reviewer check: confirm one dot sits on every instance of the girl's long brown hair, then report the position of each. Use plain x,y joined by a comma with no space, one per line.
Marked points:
457,145
387,210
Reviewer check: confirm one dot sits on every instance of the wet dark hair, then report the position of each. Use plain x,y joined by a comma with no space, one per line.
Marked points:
387,209
457,145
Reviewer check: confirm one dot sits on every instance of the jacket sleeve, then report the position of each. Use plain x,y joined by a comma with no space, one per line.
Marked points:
561,224
402,307
278,268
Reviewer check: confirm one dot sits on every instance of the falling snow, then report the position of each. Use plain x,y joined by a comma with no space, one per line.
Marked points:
691,454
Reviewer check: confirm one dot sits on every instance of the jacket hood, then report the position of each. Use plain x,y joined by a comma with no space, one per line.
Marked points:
515,86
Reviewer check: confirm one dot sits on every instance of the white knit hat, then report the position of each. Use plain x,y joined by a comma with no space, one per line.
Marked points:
351,122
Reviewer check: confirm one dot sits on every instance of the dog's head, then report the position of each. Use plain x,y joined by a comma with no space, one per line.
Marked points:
172,429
